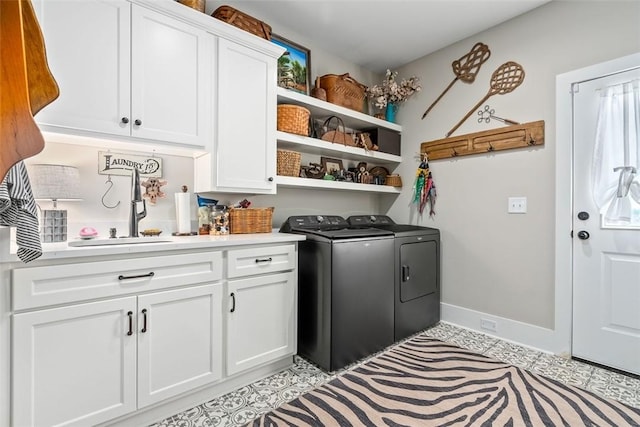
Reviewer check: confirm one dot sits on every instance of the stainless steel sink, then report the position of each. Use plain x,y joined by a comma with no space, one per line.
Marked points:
118,241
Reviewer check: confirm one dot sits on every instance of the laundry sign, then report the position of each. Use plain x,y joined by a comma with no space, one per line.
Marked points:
122,164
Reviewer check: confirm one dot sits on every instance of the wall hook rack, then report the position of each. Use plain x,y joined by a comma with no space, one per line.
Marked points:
506,138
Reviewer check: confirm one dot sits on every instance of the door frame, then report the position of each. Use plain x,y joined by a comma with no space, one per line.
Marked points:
564,190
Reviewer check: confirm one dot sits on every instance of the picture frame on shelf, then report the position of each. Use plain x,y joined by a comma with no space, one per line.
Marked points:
330,165
294,66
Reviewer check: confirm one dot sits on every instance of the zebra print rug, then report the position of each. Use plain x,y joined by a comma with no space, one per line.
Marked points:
426,382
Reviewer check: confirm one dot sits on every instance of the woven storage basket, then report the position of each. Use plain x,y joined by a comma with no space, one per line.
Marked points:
293,119
194,4
288,163
253,220
343,90
393,180
243,21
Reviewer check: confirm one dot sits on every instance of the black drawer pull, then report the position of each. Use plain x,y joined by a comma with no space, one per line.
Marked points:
144,320
259,260
150,274
130,314
233,299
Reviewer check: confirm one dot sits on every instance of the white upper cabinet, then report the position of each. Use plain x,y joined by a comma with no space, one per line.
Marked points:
88,50
244,154
126,70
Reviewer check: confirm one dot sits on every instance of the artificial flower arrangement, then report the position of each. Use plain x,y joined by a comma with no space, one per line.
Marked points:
392,92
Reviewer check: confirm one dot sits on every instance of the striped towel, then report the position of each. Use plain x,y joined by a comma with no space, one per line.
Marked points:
18,209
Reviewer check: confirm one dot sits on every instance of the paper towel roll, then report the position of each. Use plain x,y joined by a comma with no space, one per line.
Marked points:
183,212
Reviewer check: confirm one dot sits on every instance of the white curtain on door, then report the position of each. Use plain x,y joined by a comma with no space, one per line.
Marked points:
616,160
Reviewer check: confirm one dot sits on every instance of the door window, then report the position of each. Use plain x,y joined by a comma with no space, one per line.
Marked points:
616,158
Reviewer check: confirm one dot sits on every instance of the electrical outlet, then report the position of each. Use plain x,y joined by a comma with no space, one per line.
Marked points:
517,205
488,325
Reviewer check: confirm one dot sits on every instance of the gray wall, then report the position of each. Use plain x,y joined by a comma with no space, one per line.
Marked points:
493,262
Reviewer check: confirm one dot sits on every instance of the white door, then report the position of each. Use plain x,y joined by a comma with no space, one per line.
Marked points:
74,365
179,341
261,320
606,247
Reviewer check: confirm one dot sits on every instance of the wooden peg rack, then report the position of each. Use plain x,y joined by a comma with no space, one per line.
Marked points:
506,138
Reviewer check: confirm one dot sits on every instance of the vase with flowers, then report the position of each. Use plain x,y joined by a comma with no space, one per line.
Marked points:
391,93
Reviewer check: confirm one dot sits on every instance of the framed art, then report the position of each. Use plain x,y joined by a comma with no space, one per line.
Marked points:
331,165
294,66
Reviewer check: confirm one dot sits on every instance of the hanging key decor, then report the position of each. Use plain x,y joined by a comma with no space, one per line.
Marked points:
488,113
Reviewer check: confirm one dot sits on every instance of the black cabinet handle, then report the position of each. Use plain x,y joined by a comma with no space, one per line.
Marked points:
233,299
150,274
270,179
144,320
405,273
125,120
259,260
137,122
130,314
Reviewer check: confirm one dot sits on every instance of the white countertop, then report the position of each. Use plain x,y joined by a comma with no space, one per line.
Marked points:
61,250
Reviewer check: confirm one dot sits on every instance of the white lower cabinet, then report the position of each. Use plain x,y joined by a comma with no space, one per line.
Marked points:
261,320
262,305
89,363
96,341
74,365
179,341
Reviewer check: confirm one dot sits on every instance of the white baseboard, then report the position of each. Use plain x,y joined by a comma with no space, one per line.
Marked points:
521,333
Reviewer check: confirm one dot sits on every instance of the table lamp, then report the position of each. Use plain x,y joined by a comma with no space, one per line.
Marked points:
55,183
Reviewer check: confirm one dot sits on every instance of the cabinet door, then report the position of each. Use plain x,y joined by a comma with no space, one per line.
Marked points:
179,341
245,158
262,320
88,50
170,79
74,365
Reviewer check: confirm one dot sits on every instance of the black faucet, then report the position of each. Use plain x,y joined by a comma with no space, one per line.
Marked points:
136,196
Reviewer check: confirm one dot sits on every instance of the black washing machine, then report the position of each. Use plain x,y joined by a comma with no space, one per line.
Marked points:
345,289
417,273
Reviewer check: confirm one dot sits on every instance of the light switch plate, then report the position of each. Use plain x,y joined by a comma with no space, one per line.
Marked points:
517,205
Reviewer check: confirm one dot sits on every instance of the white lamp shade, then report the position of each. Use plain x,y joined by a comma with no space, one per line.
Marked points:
55,182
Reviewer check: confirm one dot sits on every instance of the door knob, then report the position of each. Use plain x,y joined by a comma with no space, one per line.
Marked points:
583,235
137,122
125,120
583,215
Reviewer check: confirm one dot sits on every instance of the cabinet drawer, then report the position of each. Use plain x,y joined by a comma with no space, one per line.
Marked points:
41,286
247,262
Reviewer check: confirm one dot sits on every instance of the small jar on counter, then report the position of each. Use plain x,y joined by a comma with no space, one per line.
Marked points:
219,220
204,218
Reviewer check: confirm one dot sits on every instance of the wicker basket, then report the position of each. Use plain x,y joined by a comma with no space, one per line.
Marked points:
194,4
288,163
293,119
393,180
243,21
343,90
254,220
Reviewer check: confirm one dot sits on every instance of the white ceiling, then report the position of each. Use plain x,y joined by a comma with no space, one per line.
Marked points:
381,34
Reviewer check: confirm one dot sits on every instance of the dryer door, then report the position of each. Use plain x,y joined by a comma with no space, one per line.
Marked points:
418,269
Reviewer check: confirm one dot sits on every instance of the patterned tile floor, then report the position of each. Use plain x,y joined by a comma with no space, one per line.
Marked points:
242,405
